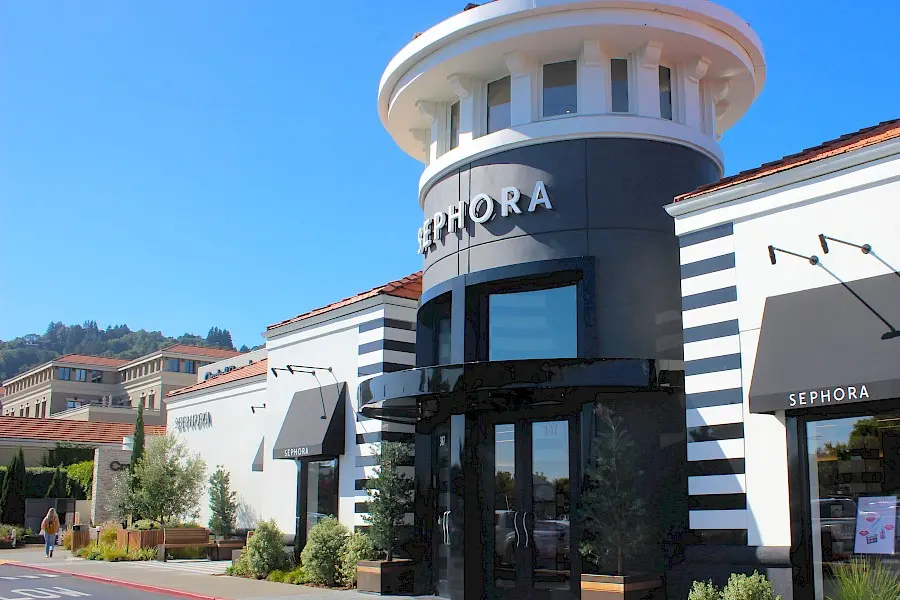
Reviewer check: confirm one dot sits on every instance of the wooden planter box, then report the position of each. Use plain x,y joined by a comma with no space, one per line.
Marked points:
382,577
139,538
80,539
627,587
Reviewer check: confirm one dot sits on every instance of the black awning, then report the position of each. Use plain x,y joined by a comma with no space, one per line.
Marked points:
829,346
314,424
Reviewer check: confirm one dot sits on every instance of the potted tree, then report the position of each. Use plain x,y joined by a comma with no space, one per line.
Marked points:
613,517
390,500
223,514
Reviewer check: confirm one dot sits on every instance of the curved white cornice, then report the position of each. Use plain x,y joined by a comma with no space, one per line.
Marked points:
707,40
573,127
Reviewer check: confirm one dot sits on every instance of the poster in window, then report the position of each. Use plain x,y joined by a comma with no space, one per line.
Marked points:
876,525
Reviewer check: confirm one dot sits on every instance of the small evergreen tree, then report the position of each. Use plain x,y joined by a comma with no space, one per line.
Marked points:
137,451
222,503
611,505
12,499
58,486
390,497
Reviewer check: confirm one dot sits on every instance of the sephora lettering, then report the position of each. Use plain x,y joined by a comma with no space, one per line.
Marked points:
850,393
480,209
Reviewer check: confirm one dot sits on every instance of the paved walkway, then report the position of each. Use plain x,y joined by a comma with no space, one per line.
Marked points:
178,576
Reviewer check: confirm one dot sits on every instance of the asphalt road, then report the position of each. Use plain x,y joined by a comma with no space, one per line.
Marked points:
17,583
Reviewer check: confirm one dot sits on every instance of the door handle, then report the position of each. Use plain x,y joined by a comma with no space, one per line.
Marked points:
525,528
516,526
447,527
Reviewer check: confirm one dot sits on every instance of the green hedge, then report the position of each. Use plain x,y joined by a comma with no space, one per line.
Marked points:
38,480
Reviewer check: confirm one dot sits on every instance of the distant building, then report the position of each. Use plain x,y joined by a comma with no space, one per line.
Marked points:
96,388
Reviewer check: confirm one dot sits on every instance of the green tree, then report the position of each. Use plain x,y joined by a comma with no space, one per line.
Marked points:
167,483
58,486
137,451
390,497
611,506
12,499
222,503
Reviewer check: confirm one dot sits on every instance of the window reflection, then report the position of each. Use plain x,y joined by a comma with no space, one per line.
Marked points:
619,79
321,493
498,105
535,324
560,88
854,483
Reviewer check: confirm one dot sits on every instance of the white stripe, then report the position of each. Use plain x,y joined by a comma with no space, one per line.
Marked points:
708,315
722,346
712,382
49,575
714,415
29,576
718,519
706,283
715,450
717,484
387,333
400,358
708,249
373,335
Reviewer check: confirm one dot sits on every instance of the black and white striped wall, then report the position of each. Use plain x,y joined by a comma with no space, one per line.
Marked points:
713,387
387,343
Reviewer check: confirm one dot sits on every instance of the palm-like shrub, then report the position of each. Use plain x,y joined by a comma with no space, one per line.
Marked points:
863,580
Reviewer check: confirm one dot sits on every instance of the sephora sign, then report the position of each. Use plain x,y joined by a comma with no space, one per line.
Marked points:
479,209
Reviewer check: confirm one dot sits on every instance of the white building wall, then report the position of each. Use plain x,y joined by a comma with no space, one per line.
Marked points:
852,198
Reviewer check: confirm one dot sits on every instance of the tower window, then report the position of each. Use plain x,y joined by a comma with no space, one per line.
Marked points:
665,93
454,125
560,88
618,68
498,105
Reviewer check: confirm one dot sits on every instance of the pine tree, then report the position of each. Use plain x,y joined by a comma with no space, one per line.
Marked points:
12,500
57,487
138,448
390,497
611,506
222,503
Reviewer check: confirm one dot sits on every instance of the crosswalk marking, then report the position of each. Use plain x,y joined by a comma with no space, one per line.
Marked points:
17,577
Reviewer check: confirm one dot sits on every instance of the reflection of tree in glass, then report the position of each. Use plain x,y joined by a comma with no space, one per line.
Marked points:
504,485
613,513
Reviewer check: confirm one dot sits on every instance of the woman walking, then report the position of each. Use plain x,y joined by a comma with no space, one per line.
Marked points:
50,527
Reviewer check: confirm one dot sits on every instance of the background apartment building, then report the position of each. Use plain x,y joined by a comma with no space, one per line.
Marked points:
96,388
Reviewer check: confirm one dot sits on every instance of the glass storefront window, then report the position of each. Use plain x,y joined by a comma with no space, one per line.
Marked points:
321,493
443,341
854,485
535,324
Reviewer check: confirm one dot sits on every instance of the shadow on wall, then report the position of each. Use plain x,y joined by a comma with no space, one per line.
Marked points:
247,517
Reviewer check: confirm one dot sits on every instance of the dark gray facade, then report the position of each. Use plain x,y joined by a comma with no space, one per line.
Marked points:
608,197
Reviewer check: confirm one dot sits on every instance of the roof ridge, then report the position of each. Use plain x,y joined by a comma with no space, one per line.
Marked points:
220,379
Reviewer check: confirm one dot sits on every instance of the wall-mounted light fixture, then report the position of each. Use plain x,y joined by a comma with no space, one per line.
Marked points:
813,260
307,370
253,409
824,239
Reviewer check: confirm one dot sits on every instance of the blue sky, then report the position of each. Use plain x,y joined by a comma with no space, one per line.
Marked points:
179,165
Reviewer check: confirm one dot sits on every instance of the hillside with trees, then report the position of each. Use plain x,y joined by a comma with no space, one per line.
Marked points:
23,353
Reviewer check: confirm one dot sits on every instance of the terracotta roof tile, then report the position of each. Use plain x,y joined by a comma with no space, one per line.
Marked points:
61,430
846,143
245,372
85,359
409,287
219,353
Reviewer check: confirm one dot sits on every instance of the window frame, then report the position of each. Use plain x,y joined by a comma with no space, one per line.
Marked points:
672,110
487,107
541,89
450,138
67,371
81,375
177,363
629,86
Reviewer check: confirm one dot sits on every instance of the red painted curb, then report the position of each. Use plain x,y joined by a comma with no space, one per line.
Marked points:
120,582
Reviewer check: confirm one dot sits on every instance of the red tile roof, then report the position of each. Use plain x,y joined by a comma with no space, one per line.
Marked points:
409,287
84,359
61,430
245,372
202,351
846,143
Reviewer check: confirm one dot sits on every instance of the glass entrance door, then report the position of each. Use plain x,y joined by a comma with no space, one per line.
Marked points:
530,509
443,510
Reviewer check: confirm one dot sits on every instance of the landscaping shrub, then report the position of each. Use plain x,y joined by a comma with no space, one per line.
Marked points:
862,580
277,576
67,539
112,553
297,576
145,525
358,547
191,552
109,536
265,550
90,552
240,568
81,479
704,590
749,587
324,548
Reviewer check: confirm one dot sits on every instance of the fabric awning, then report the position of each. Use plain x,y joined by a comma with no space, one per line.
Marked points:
829,346
309,431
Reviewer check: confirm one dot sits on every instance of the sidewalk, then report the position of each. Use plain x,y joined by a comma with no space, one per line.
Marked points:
173,578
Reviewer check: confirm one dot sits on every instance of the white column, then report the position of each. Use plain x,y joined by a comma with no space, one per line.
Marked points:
690,106
522,82
718,92
594,91
647,79
428,110
423,136
466,90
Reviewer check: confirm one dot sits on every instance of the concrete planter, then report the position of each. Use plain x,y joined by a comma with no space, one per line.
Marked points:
383,577
627,587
